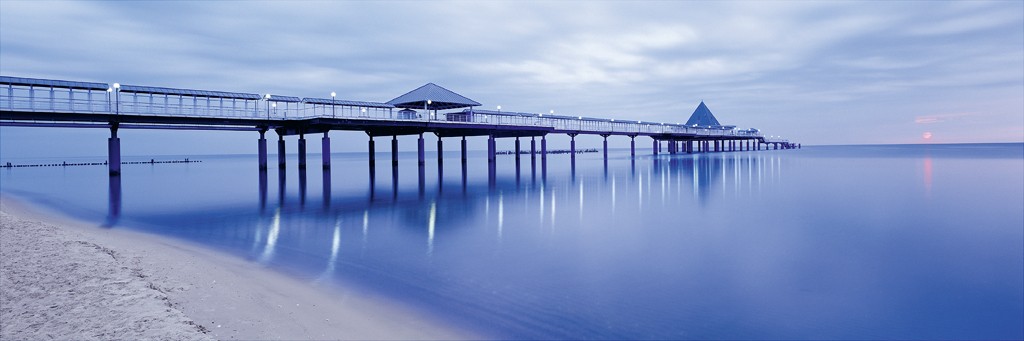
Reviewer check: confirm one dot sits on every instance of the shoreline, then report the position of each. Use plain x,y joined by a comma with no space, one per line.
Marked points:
68,279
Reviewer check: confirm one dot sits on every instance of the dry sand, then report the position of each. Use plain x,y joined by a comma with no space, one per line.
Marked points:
63,279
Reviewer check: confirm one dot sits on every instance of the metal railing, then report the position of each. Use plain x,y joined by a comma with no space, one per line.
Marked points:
53,99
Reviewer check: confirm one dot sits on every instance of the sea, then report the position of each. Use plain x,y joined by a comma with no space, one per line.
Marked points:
823,242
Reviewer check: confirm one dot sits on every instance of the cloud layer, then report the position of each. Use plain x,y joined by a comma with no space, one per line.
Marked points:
817,72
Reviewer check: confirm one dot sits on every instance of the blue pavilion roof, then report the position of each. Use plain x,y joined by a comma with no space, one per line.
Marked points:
439,98
702,117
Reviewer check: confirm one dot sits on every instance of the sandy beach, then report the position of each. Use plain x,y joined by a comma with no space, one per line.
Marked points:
65,279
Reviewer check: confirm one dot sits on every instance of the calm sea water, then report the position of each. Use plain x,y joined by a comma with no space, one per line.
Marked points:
858,242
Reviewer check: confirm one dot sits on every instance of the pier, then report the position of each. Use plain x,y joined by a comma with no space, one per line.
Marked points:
429,109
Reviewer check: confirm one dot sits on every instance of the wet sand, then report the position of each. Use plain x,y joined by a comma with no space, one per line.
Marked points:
65,279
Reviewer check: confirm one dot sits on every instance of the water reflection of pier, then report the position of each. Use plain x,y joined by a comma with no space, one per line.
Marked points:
680,181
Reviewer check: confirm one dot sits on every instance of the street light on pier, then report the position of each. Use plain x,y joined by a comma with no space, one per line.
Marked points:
117,99
333,103
109,91
267,99
427,109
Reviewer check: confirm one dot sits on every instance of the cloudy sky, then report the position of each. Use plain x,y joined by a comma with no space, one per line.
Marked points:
814,72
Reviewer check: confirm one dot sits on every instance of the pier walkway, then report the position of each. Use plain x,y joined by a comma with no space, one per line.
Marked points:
432,109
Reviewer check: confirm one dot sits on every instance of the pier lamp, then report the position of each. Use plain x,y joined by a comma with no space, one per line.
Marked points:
109,91
267,99
274,105
117,99
427,109
333,103
363,110
499,109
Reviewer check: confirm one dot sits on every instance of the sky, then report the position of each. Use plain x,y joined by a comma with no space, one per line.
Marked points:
813,72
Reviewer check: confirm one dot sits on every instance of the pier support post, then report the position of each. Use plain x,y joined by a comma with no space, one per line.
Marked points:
533,149
654,147
114,151
572,147
632,146
544,152
490,150
262,149
463,150
302,151
394,151
421,157
605,148
373,154
517,152
280,150
326,150
440,152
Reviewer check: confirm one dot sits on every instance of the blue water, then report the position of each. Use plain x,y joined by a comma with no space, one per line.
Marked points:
851,242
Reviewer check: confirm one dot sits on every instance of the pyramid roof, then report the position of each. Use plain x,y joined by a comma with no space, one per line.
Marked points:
703,117
439,98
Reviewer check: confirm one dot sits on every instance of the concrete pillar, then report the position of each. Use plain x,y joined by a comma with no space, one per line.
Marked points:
517,157
572,147
394,151
654,147
114,151
605,147
544,152
262,149
463,150
533,148
517,153
632,146
420,155
280,151
440,152
373,154
302,151
490,149
326,150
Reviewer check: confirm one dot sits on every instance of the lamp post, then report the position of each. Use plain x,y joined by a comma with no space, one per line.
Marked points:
266,97
109,91
333,103
363,111
426,108
117,99
274,105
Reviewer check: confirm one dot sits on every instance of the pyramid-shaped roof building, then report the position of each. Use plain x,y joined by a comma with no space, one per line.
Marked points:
703,117
438,98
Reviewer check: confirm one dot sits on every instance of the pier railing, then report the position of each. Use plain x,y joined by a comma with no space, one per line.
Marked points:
30,95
